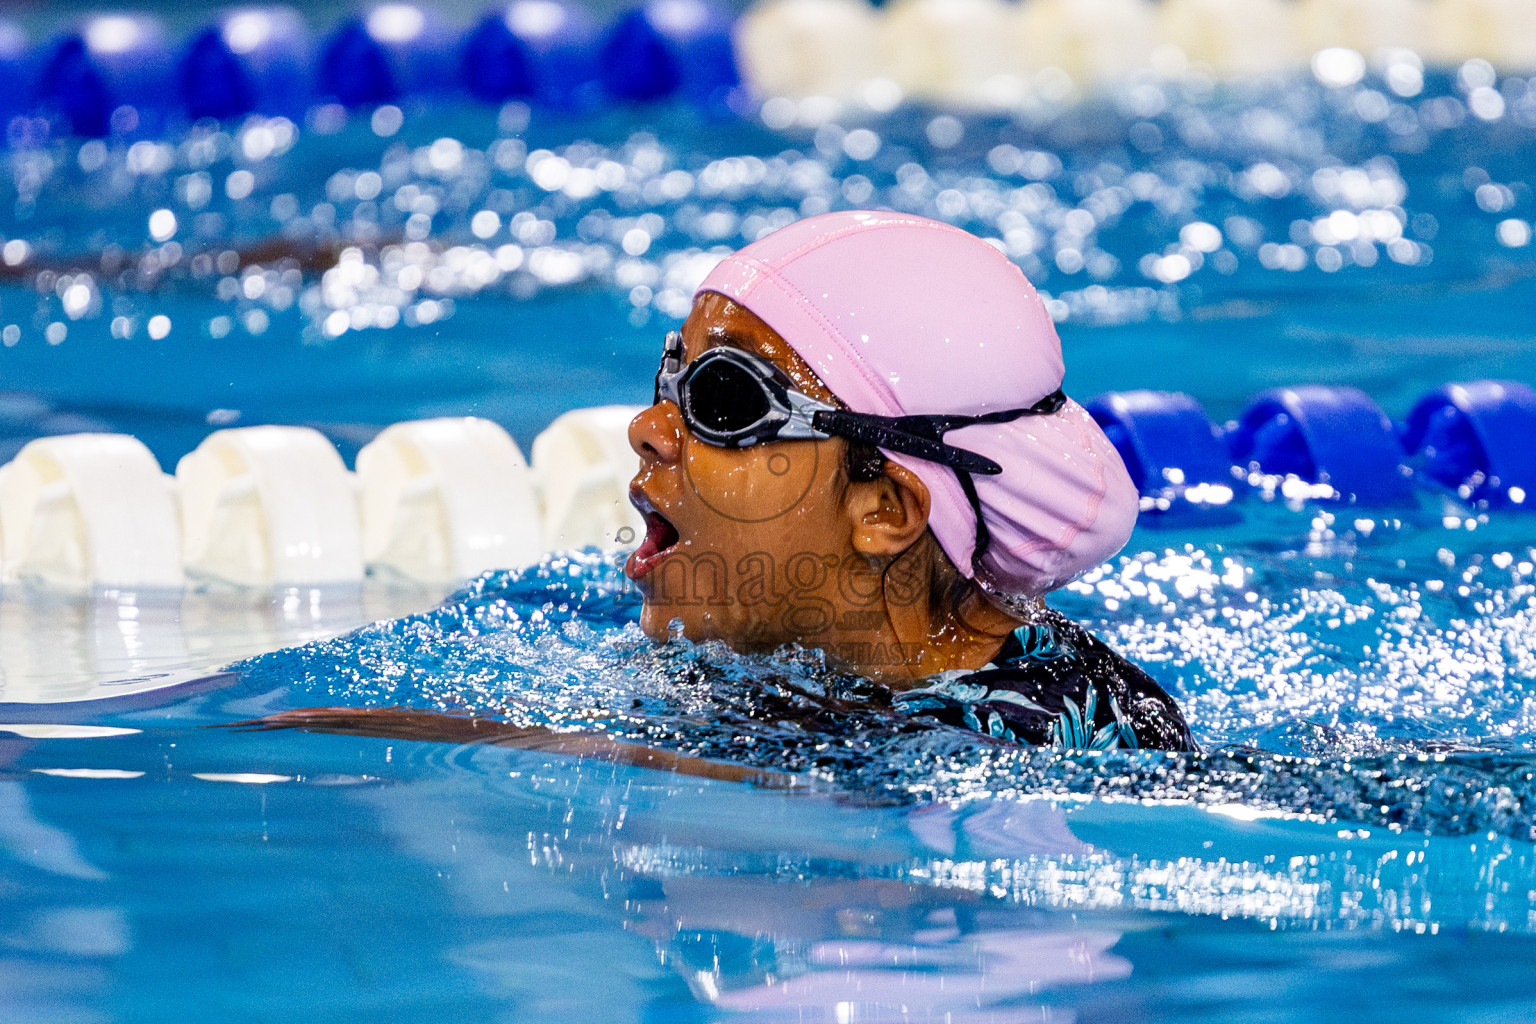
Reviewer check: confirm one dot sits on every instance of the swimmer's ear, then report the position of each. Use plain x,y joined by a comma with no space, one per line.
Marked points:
889,513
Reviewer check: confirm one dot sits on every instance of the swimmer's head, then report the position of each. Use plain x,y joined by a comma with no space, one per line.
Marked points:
891,534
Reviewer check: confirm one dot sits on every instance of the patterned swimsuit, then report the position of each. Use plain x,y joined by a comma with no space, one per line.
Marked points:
1054,684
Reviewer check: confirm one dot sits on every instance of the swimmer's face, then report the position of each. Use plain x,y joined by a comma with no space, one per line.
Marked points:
746,545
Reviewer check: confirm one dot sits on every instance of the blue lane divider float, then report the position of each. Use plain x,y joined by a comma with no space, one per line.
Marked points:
1169,446
540,50
1478,439
114,75
251,60
395,50
118,74
672,48
1324,435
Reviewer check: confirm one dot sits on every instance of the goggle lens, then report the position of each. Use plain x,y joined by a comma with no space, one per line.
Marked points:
724,397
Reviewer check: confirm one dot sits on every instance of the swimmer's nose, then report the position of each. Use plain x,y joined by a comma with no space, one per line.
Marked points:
656,434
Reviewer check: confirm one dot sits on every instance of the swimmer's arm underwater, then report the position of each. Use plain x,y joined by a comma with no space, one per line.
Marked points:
431,726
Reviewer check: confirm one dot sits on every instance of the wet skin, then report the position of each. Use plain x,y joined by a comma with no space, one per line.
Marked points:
774,543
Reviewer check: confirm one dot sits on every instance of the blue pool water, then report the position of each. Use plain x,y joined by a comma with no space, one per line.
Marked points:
1356,842
1362,821
1086,198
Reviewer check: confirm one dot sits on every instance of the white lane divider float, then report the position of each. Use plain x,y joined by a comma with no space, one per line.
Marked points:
89,508
269,504
994,54
1500,31
810,47
1368,27
955,51
584,464
432,500
1234,38
1093,41
447,499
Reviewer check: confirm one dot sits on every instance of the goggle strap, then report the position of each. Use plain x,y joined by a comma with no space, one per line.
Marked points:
937,426
882,432
921,437
983,534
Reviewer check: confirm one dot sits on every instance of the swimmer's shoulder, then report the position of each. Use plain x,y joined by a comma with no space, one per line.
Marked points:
1055,684
1155,716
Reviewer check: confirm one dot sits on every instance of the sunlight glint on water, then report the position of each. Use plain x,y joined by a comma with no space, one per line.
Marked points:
1358,830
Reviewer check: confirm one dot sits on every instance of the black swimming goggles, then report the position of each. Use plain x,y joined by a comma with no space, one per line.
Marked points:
734,399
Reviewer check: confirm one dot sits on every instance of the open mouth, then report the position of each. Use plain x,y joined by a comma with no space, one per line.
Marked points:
660,538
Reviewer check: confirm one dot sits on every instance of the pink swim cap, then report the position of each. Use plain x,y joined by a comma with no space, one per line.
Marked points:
901,315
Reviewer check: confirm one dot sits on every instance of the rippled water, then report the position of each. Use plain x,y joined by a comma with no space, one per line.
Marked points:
1361,819
1376,234
1355,842
1336,679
